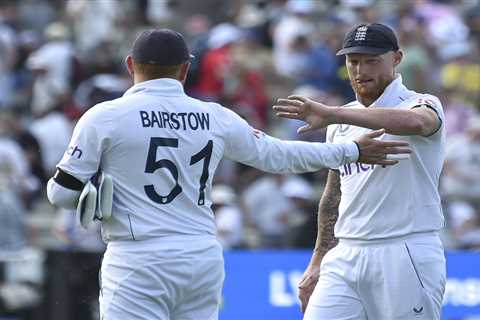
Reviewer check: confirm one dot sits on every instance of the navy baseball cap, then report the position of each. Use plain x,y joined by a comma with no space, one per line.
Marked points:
163,47
371,38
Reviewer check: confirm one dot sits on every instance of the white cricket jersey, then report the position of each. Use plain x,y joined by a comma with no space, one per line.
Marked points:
387,202
162,147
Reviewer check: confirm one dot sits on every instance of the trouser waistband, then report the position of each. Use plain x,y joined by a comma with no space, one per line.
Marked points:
411,236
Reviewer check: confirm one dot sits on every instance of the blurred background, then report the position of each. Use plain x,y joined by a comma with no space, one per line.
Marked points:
60,57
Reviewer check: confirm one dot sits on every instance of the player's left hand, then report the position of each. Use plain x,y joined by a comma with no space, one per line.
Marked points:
317,115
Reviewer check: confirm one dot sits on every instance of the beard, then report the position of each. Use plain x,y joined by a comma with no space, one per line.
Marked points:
372,92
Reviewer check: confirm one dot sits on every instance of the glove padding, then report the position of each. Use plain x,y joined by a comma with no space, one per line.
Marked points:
87,203
104,197
95,204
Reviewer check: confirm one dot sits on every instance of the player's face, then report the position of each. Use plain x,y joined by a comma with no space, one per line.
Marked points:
370,74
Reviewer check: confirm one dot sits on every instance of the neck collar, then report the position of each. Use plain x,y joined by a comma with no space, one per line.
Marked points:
393,89
163,86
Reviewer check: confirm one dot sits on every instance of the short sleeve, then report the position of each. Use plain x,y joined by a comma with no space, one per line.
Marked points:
431,102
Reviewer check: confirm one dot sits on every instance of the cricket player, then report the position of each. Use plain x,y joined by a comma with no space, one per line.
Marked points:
389,262
160,149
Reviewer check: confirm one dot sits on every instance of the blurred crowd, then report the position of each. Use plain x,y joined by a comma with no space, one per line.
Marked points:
61,57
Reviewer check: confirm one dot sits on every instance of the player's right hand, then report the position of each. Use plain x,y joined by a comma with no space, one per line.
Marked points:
307,284
373,151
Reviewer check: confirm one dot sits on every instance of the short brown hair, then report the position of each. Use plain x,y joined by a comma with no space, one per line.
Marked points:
154,71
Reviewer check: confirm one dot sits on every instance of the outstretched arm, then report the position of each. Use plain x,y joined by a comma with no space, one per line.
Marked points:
254,148
422,120
327,217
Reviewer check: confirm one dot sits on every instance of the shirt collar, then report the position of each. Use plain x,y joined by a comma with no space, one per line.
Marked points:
162,86
391,92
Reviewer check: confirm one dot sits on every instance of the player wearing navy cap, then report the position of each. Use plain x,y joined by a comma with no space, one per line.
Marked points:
159,148
389,262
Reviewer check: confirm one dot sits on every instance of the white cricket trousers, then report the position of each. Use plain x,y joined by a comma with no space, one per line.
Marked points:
162,279
395,279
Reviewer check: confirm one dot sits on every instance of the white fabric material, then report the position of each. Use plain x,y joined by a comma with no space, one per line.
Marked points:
98,202
61,196
162,279
105,197
87,205
381,280
155,140
394,201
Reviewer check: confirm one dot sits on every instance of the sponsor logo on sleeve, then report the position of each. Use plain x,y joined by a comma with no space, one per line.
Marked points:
75,151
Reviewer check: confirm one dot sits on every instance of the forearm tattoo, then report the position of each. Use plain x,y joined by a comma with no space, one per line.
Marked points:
328,214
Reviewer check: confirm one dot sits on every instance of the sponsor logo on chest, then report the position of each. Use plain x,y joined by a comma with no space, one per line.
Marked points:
355,168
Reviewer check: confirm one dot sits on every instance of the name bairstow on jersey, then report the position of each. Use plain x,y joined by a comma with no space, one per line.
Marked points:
175,120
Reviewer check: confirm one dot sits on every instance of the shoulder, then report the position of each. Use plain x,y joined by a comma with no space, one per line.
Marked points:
100,113
219,112
207,105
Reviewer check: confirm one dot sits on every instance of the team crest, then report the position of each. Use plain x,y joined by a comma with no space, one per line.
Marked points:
361,33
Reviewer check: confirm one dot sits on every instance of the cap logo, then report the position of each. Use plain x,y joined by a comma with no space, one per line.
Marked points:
361,33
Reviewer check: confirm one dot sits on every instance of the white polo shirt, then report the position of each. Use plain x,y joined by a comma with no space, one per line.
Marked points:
387,202
162,148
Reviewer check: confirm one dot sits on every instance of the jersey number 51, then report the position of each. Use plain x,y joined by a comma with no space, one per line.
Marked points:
153,164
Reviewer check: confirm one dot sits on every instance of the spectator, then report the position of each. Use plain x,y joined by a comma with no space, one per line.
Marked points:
93,21
228,217
8,57
216,62
52,132
447,33
35,178
462,165
465,225
462,75
312,64
58,58
303,219
13,177
269,209
457,112
52,64
416,65
247,54
297,20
